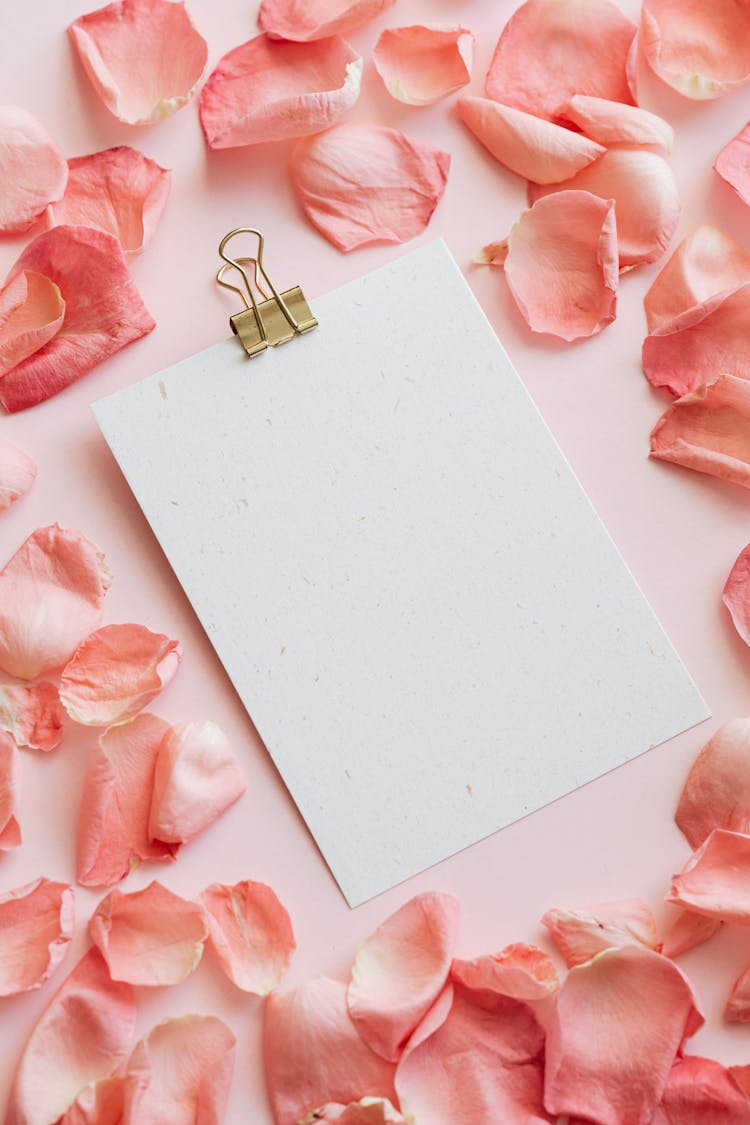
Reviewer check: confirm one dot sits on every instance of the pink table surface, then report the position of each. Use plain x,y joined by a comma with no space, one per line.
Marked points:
680,532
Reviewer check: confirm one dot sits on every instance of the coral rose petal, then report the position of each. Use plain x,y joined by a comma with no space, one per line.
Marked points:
705,263
708,431
687,931
119,191
36,925
401,969
612,123
34,169
716,879
367,1111
144,57
421,64
82,1036
702,51
360,184
116,672
266,90
99,1103
10,833
702,1092
251,934
316,19
552,49
32,715
31,313
738,1005
736,595
314,1055
17,473
581,934
608,1053
51,595
520,971
733,164
534,148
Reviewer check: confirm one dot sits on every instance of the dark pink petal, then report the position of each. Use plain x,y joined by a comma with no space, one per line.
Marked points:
51,595
552,49
267,90
716,879
738,1005
620,1021
17,473
741,1075
251,934
702,1092
520,971
687,931
34,169
31,313
420,64
119,191
314,1055
116,672
82,1036
705,263
581,934
736,595
33,715
360,184
367,1111
709,431
144,57
400,971
36,925
733,164
702,51
316,19
10,833
613,123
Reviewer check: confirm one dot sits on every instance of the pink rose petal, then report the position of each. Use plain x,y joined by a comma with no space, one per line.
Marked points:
116,801
581,934
251,934
31,313
119,191
702,51
401,969
116,672
360,184
716,879
702,1092
708,431
733,164
533,148
620,1021
17,473
736,594
562,265
36,925
367,1111
738,1005
144,57
552,49
32,715
520,971
51,595
99,1103
266,90
316,19
705,263
82,1036
314,1055
687,931
34,169
420,64
612,123
197,777
10,833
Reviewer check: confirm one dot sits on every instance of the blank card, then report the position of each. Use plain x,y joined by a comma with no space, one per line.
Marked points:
420,609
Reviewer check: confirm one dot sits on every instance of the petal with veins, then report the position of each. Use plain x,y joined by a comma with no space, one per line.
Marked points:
10,833
421,64
98,1103
716,879
687,931
34,169
31,313
17,473
32,715
705,263
736,594
702,1092
316,19
709,431
613,123
733,164
251,934
520,971
36,925
581,934
702,51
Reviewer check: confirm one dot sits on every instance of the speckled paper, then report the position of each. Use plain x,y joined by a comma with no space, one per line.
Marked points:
420,609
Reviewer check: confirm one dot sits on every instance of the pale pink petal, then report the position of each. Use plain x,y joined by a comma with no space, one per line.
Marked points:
81,1037
34,169
116,801
737,1008
197,778
520,971
705,263
619,1023
581,934
733,164
709,431
534,148
420,64
144,57
550,50
400,970
687,931
702,1092
119,191
367,1111
103,312
33,715
251,934
17,473
36,925
99,1103
561,265
701,50
736,594
269,90
10,833
716,879
31,313
116,672
360,184
613,123
51,595
647,204
316,19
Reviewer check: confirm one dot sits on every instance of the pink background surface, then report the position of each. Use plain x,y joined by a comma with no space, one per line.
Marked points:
678,531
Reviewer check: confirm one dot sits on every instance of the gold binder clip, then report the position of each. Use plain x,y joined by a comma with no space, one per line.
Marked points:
277,317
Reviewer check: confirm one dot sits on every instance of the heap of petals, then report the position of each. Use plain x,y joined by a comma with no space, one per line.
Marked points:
421,64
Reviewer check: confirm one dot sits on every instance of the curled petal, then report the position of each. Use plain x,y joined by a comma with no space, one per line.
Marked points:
733,164
419,64
119,191
687,931
34,169
267,90
550,50
702,1092
738,1005
360,184
612,123
534,148
17,473
736,595
116,672
705,263
51,595
144,57
520,971
36,925
31,313
367,1111
708,431
316,19
99,1103
716,879
581,934
10,833
702,51
32,715
251,934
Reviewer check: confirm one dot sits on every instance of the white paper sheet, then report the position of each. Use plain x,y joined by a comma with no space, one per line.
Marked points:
421,611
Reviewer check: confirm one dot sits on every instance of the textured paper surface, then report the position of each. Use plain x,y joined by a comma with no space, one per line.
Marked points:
425,618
